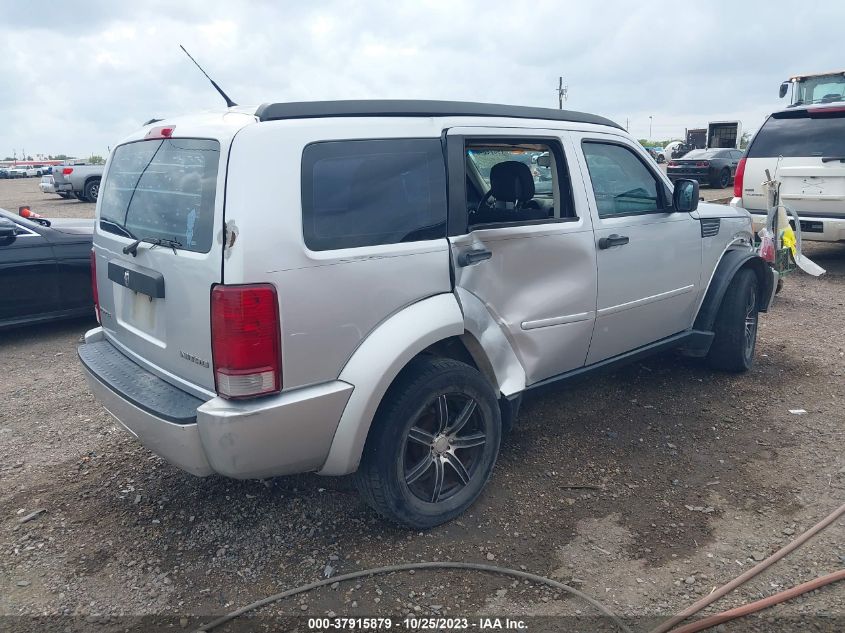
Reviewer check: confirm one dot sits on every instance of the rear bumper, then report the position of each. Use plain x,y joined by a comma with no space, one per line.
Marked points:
277,435
813,229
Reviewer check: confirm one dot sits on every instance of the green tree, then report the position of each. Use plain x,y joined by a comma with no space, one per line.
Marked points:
96,159
744,140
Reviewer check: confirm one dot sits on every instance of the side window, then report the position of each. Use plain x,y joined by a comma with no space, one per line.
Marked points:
365,193
511,181
622,184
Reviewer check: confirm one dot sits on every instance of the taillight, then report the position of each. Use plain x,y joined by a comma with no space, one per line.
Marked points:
245,340
739,177
67,171
703,163
94,285
160,132
672,163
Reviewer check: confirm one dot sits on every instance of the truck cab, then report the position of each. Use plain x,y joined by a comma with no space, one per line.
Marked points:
815,88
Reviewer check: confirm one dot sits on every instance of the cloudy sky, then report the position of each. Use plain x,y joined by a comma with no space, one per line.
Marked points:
77,80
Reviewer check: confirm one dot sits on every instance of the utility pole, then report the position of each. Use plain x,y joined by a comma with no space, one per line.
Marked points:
562,93
626,124
650,117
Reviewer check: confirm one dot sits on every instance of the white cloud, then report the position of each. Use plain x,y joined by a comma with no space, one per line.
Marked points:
79,84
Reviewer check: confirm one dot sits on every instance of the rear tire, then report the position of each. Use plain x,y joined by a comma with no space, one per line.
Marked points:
92,191
723,180
736,325
433,444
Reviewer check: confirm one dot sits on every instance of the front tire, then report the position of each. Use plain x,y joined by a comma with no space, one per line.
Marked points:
433,444
736,325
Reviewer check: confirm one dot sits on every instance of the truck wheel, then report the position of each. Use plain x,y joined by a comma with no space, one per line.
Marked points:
92,190
736,325
432,446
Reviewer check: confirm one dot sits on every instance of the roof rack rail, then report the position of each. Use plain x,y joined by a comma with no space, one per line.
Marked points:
417,108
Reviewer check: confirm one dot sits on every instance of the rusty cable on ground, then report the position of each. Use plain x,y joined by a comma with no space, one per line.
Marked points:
415,566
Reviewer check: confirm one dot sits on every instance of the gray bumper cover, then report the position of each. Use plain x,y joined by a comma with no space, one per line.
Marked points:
276,435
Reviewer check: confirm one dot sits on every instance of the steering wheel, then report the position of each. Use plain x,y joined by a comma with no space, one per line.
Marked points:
485,199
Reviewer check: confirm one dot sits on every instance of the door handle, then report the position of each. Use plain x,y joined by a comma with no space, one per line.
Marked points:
469,258
612,240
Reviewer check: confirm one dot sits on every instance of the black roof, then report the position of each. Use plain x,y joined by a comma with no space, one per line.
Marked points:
417,108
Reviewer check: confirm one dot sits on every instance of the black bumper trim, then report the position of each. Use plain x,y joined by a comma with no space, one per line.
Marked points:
136,385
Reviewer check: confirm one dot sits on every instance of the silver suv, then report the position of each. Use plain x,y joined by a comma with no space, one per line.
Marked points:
414,268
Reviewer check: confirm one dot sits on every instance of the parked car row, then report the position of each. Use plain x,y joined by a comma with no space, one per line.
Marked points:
25,171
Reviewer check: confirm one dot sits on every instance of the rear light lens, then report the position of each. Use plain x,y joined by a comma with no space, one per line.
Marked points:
672,163
739,177
703,163
245,340
67,171
161,132
94,285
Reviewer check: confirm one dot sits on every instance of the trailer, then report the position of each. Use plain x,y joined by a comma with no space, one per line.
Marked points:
724,134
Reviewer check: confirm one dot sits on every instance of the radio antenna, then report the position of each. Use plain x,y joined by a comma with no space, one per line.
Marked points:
229,102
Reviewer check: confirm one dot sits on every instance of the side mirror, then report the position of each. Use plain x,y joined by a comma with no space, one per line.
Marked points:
7,228
544,161
685,196
783,88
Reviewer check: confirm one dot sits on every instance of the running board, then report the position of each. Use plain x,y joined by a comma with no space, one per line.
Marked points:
692,342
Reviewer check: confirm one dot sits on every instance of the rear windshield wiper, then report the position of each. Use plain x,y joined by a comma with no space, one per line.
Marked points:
833,159
155,241
117,228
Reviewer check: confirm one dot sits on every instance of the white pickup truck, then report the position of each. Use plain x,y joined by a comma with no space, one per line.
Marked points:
82,181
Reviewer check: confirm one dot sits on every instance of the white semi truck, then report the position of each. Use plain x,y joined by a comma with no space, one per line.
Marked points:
815,88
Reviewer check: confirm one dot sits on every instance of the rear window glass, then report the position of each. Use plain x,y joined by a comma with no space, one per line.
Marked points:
796,134
163,189
365,193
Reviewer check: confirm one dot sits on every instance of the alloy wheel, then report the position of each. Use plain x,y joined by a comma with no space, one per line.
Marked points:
443,447
751,316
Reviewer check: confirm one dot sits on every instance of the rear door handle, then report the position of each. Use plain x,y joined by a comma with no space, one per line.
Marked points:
613,240
468,258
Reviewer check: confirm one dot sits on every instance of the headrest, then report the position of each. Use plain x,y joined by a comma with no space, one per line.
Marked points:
511,181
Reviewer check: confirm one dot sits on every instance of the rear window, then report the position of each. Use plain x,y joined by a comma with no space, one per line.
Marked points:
800,133
163,189
365,193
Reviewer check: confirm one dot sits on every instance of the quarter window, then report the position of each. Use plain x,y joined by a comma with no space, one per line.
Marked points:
366,193
622,184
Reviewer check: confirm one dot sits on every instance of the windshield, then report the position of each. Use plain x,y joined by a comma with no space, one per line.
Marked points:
821,89
163,189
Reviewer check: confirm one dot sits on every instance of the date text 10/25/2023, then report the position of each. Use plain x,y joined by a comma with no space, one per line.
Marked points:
416,624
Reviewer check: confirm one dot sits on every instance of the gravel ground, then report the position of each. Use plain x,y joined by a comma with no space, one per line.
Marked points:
24,191
645,488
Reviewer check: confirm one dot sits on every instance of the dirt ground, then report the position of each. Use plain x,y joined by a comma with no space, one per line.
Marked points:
24,191
645,488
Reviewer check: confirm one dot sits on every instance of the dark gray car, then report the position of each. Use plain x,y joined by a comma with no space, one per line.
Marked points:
715,167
